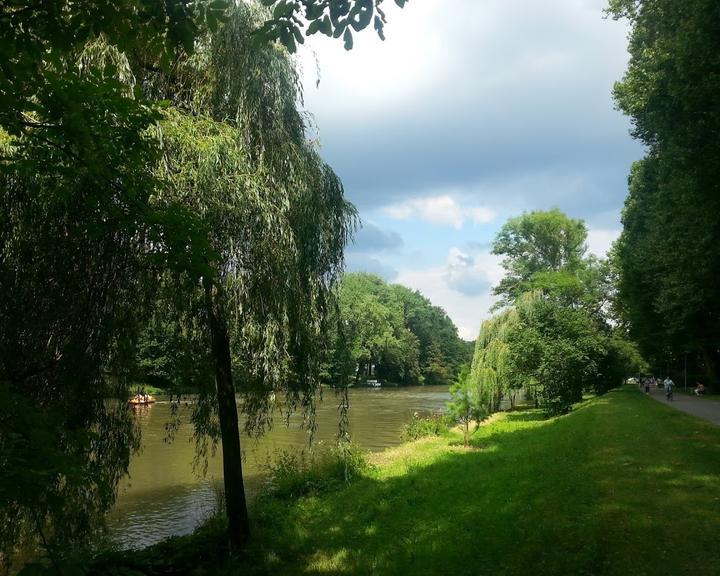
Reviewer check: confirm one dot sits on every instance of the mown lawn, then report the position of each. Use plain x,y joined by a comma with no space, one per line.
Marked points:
622,485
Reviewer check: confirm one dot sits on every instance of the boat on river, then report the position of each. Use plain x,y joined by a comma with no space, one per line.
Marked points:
141,400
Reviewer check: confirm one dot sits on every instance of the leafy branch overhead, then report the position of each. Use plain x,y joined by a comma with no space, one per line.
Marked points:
333,18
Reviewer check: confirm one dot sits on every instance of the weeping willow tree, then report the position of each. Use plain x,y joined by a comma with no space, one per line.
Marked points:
236,160
493,368
72,279
104,210
490,365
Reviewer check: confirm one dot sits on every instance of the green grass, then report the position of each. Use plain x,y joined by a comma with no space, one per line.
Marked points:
622,485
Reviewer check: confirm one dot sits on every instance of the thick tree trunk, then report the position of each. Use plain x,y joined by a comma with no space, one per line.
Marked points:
235,504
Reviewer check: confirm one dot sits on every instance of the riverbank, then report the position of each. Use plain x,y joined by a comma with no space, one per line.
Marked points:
621,485
163,497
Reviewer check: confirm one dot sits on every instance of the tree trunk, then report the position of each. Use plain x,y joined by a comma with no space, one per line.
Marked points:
235,504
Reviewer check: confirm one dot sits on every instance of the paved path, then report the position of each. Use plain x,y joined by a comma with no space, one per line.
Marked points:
701,407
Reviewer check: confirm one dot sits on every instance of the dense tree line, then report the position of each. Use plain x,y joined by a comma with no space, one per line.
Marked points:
391,333
154,168
667,257
377,331
553,337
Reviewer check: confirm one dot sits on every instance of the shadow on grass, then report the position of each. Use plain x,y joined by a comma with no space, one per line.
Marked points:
529,415
550,499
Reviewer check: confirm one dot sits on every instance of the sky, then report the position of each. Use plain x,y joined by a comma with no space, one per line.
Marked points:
469,113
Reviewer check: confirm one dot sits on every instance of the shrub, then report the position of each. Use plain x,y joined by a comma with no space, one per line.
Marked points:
292,474
423,425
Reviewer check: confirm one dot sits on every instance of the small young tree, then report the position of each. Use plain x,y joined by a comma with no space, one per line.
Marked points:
466,403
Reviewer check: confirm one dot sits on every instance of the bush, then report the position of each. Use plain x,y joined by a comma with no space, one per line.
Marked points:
293,474
423,425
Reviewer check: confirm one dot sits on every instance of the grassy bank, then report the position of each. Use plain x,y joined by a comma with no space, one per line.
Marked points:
622,485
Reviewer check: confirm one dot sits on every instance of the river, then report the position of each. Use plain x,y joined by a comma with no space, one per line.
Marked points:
162,495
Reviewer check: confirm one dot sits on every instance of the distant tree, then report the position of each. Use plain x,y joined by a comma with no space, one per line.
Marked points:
538,243
558,347
622,359
395,330
372,323
554,338
431,324
436,371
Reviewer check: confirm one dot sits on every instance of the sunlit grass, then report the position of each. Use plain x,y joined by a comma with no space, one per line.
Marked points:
607,489
621,485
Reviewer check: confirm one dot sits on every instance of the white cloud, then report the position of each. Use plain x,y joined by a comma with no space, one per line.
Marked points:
470,108
355,262
463,276
467,312
475,94
440,210
462,286
600,240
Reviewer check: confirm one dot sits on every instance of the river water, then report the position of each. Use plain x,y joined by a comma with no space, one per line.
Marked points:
163,496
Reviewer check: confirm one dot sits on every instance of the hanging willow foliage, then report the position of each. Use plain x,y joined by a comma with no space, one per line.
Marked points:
236,160
489,367
234,154
493,368
72,279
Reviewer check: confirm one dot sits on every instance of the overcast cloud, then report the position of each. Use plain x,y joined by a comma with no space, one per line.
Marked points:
471,112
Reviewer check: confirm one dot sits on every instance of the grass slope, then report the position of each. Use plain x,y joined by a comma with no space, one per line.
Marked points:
622,485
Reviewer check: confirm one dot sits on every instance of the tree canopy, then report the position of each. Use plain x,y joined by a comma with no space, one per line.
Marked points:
153,164
555,337
666,258
535,244
392,333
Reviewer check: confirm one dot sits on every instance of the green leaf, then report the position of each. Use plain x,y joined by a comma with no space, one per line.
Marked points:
298,35
361,15
313,28
326,26
379,27
348,39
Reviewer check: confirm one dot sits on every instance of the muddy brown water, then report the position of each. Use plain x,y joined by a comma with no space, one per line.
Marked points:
163,496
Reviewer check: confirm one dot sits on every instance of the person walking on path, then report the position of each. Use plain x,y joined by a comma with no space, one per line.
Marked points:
668,384
647,385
